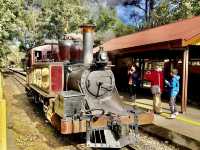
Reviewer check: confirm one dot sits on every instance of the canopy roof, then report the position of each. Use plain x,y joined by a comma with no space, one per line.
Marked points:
175,35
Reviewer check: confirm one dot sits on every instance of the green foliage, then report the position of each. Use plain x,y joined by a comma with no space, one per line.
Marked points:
50,19
106,20
31,21
167,11
195,7
161,14
60,16
122,29
181,9
108,25
11,12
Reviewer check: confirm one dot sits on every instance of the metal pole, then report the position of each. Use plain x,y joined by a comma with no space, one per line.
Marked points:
186,77
183,85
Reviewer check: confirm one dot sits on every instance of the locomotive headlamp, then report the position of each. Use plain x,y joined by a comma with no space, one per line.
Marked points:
69,68
103,56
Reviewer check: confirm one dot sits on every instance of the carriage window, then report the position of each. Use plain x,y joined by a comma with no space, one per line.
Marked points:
38,56
49,55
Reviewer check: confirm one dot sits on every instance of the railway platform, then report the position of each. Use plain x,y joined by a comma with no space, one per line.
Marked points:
184,130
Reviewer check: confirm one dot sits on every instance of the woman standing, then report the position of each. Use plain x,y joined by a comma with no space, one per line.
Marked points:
156,78
133,78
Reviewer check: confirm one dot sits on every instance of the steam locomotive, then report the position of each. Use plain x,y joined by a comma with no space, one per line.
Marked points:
78,93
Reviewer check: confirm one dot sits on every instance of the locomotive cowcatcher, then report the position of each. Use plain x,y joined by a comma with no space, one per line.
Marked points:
78,92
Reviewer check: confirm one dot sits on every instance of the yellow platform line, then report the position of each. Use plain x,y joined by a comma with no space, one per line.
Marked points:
138,104
167,115
3,140
2,125
183,119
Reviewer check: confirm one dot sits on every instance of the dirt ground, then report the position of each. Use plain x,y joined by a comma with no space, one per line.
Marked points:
27,128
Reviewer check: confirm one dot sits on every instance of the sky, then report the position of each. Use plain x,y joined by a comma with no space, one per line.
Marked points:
125,12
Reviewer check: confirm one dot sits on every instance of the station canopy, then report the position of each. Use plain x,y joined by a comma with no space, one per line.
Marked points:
168,37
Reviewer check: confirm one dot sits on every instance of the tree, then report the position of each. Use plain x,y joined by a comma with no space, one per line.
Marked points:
181,9
162,14
167,11
108,25
195,4
11,12
50,19
147,6
31,21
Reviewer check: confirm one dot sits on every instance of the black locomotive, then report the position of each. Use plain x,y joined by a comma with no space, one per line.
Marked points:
78,93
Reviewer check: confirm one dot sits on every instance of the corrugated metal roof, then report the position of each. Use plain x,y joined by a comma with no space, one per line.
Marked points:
181,30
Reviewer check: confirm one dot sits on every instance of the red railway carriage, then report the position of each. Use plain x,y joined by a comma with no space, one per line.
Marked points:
46,64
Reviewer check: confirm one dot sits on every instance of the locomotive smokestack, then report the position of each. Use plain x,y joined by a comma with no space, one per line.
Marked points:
88,42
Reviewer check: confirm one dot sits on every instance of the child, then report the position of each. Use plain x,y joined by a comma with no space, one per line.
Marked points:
173,91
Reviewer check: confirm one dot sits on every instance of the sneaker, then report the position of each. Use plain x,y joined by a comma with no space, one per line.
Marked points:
133,97
176,113
173,116
158,112
130,97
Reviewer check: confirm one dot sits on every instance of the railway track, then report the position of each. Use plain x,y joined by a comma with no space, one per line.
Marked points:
21,78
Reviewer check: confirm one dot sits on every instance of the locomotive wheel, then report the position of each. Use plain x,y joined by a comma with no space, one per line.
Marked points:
35,98
28,92
45,107
49,110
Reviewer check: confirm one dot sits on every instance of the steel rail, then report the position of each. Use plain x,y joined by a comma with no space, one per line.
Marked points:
17,71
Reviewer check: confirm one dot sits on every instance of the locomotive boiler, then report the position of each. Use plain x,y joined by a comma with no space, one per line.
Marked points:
78,92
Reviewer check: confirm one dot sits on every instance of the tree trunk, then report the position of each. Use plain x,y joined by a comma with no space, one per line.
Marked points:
146,11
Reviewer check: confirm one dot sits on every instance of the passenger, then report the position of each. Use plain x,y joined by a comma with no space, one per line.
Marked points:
133,79
156,78
173,92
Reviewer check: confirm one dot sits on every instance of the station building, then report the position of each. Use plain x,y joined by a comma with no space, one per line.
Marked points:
175,45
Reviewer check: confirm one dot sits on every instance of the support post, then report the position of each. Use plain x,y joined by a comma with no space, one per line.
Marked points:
185,80
142,72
